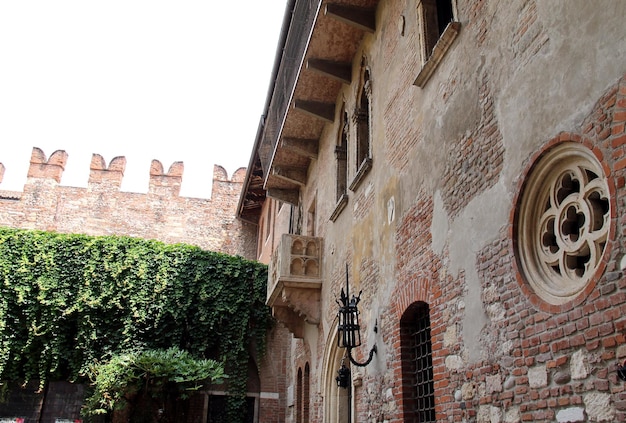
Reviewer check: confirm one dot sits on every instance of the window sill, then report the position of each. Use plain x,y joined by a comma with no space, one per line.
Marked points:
439,51
365,167
341,204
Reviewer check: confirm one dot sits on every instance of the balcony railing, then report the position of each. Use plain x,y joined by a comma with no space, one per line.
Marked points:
302,21
295,281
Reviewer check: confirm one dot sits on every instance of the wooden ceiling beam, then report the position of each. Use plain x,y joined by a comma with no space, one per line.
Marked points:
318,109
358,17
294,175
301,146
341,71
291,196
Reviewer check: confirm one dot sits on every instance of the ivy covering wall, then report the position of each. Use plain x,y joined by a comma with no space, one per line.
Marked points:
68,301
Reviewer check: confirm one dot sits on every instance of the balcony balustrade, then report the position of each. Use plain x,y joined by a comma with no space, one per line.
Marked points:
295,281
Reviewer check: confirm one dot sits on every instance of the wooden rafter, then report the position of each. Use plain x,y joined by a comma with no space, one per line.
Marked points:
291,196
341,71
301,146
318,109
358,17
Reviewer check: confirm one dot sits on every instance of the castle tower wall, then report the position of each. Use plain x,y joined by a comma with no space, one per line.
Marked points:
102,209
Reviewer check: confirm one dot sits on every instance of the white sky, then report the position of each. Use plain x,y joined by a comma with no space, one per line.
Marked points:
172,80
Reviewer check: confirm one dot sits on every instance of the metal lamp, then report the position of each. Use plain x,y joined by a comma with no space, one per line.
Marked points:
343,376
348,329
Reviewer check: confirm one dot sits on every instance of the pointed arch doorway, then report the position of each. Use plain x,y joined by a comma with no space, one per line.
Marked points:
337,401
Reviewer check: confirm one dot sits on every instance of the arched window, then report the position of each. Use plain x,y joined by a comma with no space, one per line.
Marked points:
417,364
362,120
341,156
302,394
341,153
299,397
305,393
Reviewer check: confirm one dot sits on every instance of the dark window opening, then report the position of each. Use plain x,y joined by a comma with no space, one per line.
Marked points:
299,397
218,406
363,123
302,395
417,365
437,15
341,153
306,393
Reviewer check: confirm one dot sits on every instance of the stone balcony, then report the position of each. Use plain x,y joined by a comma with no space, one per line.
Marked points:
295,281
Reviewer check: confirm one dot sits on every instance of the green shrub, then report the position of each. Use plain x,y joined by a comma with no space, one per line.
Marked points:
69,301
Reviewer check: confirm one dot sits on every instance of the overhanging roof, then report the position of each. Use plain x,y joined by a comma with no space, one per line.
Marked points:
314,57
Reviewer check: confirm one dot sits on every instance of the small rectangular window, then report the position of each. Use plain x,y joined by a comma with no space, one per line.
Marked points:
439,29
437,14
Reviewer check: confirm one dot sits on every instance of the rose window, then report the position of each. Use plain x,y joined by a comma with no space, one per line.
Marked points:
563,222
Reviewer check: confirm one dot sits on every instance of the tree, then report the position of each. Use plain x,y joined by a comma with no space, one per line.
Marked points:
145,383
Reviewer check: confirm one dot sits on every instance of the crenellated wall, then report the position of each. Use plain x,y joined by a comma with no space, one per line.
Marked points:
102,209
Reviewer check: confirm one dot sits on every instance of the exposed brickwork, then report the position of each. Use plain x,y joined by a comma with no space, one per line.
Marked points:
413,242
273,378
529,35
541,358
476,160
400,134
433,220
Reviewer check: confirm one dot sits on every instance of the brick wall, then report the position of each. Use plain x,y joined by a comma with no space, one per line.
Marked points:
102,209
539,362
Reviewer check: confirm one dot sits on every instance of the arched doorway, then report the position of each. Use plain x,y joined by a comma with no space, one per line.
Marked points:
337,401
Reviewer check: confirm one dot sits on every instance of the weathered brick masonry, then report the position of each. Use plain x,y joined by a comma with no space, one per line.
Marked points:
102,209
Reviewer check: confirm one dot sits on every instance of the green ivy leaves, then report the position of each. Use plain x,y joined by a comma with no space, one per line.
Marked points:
126,374
67,301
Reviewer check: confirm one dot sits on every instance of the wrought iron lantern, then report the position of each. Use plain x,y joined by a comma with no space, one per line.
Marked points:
348,328
343,376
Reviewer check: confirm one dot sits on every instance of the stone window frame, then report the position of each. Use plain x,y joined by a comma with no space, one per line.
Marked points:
362,120
311,218
547,287
434,41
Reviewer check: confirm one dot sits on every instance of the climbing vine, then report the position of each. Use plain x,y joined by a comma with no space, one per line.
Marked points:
68,301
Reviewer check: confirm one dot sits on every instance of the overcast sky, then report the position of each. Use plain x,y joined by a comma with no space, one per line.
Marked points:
172,80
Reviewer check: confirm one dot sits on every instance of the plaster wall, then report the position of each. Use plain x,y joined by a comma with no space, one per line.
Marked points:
447,161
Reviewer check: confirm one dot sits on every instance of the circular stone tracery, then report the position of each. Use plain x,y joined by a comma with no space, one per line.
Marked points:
563,222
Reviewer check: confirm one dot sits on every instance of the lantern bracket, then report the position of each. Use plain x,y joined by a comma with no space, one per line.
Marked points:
365,363
348,328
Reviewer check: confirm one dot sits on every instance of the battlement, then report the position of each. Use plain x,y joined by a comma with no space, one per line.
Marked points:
103,209
107,178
